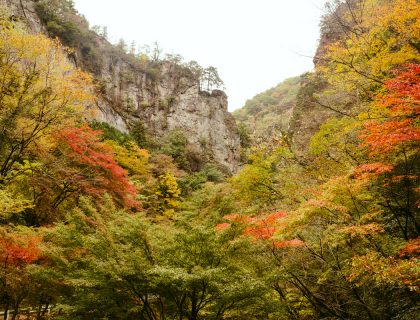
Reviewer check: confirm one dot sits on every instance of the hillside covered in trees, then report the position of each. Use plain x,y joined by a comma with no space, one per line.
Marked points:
320,222
268,114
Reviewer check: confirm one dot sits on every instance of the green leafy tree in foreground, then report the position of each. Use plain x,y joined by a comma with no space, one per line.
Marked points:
132,268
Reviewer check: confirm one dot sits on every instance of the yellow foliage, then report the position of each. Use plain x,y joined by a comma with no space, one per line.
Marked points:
131,157
40,92
35,69
168,193
383,271
336,146
272,177
11,203
387,35
343,201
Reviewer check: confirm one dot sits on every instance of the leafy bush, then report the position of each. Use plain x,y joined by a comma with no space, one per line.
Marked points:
110,133
138,133
195,181
174,144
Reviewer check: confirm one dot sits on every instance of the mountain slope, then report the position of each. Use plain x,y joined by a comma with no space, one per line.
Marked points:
161,95
268,113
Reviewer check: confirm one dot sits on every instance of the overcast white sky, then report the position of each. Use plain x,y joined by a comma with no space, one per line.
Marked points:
254,44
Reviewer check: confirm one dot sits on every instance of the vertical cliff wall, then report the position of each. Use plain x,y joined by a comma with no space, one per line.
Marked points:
162,95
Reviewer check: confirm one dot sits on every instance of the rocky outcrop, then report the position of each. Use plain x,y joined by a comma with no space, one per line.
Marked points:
170,99
308,115
162,95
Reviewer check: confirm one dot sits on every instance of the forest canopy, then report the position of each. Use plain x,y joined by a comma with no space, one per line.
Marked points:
320,222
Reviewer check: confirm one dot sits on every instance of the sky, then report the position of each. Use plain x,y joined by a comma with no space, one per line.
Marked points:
254,44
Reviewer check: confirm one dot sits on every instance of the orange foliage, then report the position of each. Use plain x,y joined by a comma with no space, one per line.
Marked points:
372,169
401,103
294,243
265,226
237,218
262,227
19,251
403,273
99,172
385,137
362,230
222,226
404,92
411,249
261,231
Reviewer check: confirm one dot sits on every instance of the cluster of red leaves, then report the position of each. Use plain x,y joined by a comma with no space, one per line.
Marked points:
372,169
404,91
265,226
262,227
294,243
411,249
387,136
99,173
19,251
222,226
402,102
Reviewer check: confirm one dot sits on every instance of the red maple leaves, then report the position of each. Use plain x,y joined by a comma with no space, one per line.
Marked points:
262,227
401,103
411,248
19,251
373,169
98,172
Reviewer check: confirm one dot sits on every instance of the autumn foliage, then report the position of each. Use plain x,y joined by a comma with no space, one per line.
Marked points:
18,251
399,108
262,227
347,248
411,248
98,172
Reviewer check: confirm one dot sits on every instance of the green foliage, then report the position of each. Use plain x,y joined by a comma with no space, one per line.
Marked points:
209,79
110,133
62,21
273,174
186,156
196,180
308,114
280,96
267,113
52,13
337,146
12,204
193,182
202,247
244,135
120,260
174,144
139,134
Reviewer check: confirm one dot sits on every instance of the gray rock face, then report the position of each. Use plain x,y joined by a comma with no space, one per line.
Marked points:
24,11
163,96
170,99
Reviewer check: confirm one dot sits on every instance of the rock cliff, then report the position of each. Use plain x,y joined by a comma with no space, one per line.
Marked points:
167,100
162,95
